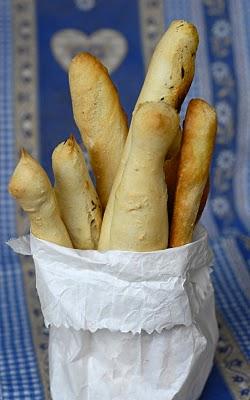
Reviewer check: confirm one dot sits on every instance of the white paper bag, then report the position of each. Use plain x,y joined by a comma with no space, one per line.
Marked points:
126,325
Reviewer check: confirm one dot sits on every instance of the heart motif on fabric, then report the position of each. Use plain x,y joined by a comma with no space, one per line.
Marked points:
108,45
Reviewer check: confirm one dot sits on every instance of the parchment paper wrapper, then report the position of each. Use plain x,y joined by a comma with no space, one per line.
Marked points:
126,325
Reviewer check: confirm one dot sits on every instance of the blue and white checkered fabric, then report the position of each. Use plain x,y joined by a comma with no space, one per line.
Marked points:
222,78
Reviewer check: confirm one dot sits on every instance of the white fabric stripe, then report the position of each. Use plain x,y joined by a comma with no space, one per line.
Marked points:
203,85
240,180
7,211
18,348
155,14
29,107
203,73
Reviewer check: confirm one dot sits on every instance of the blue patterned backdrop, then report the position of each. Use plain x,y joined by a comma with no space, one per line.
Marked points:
37,41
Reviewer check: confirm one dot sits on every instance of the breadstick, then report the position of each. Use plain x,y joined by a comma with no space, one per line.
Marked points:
77,198
172,66
32,189
136,215
99,117
195,157
171,169
171,70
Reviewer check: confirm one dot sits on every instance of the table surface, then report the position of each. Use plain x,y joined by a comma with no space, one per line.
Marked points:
37,40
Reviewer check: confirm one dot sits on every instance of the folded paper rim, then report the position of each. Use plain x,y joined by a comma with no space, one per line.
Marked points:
24,241
120,290
30,244
166,277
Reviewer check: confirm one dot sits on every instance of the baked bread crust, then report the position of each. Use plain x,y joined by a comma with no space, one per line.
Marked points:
171,69
198,141
32,189
77,198
136,215
100,118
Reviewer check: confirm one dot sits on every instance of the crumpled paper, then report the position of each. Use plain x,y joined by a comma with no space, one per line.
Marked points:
126,325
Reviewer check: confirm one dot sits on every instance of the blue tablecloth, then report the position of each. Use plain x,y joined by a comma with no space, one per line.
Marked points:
37,40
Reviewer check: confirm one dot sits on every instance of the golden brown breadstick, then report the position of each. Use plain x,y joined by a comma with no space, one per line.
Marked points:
171,169
32,189
136,215
195,157
171,70
99,117
77,198
172,66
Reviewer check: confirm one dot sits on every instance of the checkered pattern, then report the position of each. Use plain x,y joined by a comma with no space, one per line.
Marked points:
231,300
18,364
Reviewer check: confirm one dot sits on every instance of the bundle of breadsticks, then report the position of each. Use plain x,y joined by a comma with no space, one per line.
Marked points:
152,178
